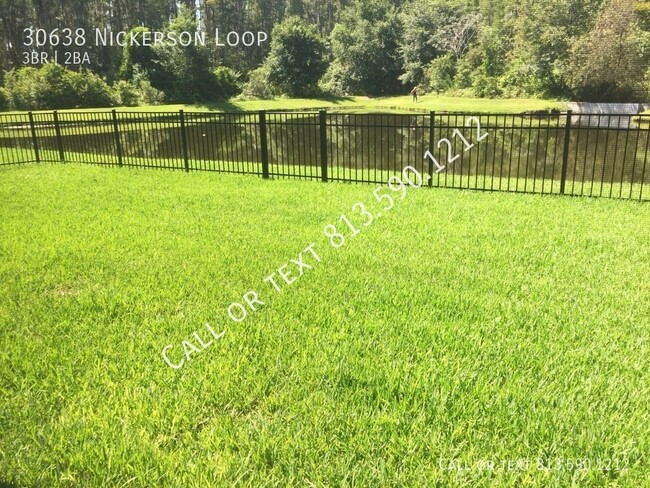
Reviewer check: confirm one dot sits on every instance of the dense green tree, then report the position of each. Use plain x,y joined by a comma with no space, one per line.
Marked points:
419,42
323,13
135,56
485,79
537,38
187,70
15,15
609,63
440,73
233,15
116,15
365,48
558,48
296,61
5,99
227,83
54,87
295,7
432,28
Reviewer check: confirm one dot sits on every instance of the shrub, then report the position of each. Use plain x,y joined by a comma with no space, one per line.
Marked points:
466,68
440,73
297,58
522,79
227,84
126,94
258,85
150,95
22,86
333,81
486,86
147,93
91,90
54,87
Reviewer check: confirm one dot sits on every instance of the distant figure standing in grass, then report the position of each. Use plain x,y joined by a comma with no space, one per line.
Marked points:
414,94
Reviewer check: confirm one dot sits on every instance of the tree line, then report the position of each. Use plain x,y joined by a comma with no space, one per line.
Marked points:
596,50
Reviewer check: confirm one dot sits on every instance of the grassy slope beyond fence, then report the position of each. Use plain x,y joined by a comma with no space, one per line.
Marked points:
457,326
425,103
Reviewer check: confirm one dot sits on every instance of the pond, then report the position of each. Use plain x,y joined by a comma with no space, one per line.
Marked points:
514,146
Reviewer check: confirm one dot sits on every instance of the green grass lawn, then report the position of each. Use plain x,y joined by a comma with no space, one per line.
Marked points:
364,104
456,329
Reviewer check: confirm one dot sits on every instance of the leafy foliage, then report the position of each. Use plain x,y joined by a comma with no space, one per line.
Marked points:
554,48
296,62
55,87
365,48
440,73
227,83
126,94
91,89
610,62
139,57
259,86
188,69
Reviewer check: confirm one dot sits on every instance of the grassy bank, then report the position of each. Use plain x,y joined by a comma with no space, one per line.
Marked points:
457,326
388,104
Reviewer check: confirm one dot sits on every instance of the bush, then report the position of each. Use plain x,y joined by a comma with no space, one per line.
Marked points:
126,94
297,59
605,91
91,90
20,88
258,85
150,95
466,68
333,81
486,86
54,87
521,80
5,101
147,93
49,87
227,84
440,73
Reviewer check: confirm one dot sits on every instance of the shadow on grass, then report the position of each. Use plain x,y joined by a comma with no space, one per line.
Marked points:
334,100
223,106
235,105
5,484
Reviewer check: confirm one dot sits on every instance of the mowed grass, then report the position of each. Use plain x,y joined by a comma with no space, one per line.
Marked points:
398,104
456,329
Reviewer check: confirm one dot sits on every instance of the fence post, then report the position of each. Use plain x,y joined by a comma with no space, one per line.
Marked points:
265,148
118,143
322,115
37,154
565,153
186,158
59,139
432,116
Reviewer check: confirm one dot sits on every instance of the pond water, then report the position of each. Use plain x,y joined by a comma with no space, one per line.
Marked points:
515,146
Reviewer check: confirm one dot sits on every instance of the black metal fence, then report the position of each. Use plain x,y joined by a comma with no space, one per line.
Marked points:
585,154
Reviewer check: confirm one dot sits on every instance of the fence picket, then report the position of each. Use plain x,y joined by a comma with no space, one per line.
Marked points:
365,148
